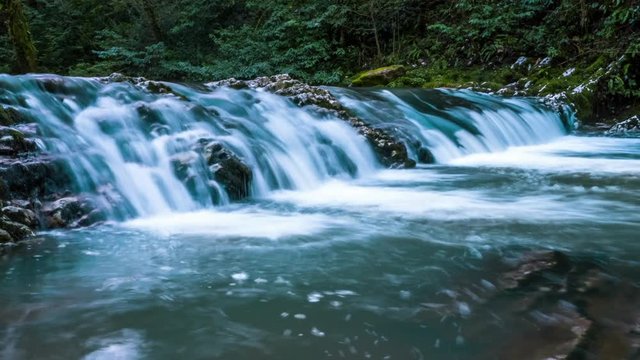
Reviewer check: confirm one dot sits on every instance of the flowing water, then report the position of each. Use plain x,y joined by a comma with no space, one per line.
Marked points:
332,256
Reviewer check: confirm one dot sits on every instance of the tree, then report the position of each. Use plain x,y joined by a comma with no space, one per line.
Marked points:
152,18
20,35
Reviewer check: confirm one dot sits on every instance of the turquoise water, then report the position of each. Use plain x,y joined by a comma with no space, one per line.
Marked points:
396,265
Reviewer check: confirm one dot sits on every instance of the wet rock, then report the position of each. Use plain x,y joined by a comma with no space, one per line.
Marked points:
33,177
380,76
630,126
14,142
390,151
71,212
154,87
225,167
5,237
16,230
20,215
228,170
10,116
532,266
425,156
553,332
523,63
233,83
612,304
183,164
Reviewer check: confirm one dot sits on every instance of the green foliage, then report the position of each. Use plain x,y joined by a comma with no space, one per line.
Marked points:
325,41
20,36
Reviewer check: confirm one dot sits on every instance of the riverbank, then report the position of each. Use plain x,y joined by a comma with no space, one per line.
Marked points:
601,92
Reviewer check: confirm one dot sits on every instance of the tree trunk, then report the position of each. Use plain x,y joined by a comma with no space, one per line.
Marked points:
375,29
150,13
18,28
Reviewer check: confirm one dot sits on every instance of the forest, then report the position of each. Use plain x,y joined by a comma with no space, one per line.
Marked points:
440,43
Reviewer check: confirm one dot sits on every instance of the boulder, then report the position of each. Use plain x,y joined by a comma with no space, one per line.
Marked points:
228,170
16,230
20,215
5,237
378,77
71,212
225,167
41,176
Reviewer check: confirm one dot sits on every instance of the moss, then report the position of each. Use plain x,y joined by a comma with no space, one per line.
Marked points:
586,88
408,82
582,105
378,77
9,116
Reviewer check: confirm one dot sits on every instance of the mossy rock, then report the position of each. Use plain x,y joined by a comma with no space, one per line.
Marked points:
378,77
10,116
583,105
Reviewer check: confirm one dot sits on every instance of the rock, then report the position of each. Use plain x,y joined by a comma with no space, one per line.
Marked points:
16,230
20,215
626,127
224,165
154,87
14,142
5,237
557,332
532,266
380,76
70,212
39,177
523,63
390,151
425,156
10,116
228,170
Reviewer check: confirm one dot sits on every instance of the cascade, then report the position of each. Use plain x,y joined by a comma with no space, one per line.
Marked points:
445,124
168,152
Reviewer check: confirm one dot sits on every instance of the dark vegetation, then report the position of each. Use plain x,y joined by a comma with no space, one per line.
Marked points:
441,43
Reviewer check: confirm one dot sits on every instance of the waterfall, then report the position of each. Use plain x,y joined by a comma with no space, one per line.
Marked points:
454,123
120,136
154,151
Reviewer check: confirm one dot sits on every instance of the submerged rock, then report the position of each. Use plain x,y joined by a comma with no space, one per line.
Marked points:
390,151
534,265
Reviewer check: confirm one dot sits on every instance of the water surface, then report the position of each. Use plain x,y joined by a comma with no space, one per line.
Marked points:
397,264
